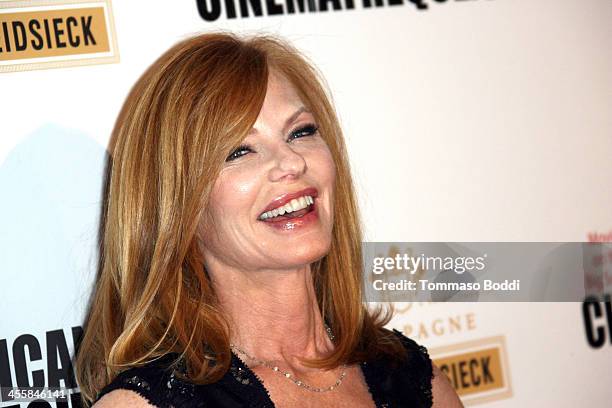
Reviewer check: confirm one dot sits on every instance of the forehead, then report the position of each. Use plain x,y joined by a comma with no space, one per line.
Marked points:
281,95
282,105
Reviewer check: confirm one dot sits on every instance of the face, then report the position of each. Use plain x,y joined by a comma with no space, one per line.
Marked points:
272,204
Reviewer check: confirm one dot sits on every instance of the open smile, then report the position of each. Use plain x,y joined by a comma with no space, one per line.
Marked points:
291,211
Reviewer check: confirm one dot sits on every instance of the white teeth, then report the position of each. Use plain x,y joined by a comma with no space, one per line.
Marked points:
293,205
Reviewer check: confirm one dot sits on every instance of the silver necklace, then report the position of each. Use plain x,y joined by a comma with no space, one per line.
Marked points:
290,376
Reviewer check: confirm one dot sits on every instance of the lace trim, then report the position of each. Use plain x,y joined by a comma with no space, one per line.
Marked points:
424,369
247,377
156,382
371,378
425,385
132,383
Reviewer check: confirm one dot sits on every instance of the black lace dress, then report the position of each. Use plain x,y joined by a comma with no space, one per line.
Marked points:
408,385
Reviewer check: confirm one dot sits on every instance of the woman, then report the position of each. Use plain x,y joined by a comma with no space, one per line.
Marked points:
230,271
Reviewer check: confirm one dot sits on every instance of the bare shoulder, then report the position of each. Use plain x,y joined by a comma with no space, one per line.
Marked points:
444,395
122,398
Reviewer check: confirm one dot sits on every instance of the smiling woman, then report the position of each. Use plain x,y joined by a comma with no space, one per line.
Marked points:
230,272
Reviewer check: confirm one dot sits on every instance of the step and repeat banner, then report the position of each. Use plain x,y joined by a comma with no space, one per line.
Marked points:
465,120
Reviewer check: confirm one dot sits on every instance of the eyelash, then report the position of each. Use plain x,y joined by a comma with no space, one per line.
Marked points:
311,128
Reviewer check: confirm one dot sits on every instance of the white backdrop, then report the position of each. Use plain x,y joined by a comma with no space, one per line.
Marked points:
481,120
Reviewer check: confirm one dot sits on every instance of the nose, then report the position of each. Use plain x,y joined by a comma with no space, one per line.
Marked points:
288,164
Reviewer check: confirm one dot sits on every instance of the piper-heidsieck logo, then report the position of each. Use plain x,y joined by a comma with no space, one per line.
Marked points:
54,33
211,10
37,371
477,369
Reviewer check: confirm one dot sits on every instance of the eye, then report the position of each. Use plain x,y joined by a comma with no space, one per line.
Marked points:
239,152
306,130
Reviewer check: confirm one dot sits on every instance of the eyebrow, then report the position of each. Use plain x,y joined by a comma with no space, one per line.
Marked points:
290,119
295,115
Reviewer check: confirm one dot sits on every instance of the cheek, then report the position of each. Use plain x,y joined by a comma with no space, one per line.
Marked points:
325,166
233,195
323,170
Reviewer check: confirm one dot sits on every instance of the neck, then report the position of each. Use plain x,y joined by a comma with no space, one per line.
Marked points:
273,314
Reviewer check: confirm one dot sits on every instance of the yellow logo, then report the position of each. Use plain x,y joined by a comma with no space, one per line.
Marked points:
477,369
50,34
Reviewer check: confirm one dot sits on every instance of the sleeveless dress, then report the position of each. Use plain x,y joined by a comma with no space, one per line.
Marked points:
391,386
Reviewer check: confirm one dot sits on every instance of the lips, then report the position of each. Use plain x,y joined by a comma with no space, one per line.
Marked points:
285,198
